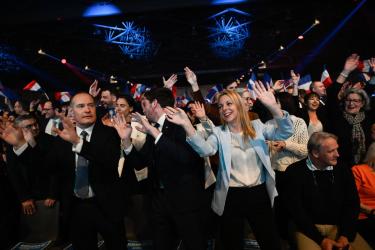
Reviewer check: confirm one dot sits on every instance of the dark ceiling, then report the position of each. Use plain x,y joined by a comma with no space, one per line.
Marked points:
179,29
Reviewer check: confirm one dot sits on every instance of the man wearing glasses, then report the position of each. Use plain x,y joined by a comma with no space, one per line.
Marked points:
26,151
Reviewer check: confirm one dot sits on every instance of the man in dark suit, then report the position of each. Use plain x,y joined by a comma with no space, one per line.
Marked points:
87,161
26,151
176,174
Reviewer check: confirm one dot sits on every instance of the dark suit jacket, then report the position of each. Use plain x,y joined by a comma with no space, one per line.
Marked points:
175,164
103,153
29,173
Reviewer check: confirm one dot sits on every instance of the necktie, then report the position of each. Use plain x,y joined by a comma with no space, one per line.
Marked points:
81,187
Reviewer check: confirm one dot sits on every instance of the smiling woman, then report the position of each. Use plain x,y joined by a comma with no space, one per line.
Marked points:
245,186
353,125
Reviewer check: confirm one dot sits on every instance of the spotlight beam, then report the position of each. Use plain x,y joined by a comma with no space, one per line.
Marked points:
311,56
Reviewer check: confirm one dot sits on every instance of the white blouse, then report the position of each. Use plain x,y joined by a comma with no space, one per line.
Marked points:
247,168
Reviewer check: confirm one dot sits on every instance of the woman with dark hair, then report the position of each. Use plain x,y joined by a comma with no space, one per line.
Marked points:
245,186
352,125
310,113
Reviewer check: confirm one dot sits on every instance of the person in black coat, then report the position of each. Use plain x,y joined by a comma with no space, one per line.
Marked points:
175,172
26,156
321,198
91,197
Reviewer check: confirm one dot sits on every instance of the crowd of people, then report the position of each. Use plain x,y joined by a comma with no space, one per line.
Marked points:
297,166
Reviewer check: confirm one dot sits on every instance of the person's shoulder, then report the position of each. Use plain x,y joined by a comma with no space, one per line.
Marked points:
299,166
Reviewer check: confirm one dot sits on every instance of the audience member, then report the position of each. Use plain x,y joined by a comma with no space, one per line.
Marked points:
322,199
364,176
245,186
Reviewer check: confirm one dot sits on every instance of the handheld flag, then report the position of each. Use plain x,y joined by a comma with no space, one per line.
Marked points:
305,82
250,85
212,92
325,78
62,96
137,90
32,86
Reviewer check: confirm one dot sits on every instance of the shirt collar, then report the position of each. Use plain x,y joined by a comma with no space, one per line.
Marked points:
88,130
311,166
161,121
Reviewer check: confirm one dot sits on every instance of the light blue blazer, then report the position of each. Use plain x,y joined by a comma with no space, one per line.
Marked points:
220,139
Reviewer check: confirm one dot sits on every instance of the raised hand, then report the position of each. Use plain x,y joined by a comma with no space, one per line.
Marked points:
33,104
278,85
265,96
11,135
179,117
146,127
351,63
176,116
29,137
123,129
68,133
190,76
170,82
200,113
94,91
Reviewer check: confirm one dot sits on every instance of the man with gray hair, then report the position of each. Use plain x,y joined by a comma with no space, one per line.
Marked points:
322,199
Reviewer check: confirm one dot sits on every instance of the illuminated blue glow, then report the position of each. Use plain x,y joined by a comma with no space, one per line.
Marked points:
8,61
220,2
101,9
229,32
134,42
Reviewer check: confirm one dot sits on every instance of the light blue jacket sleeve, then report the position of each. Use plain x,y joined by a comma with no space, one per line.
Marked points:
281,132
203,147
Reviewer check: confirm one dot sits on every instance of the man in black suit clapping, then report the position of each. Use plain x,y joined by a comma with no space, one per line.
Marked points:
175,172
86,160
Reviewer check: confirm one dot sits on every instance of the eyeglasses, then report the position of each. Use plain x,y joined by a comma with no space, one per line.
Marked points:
353,100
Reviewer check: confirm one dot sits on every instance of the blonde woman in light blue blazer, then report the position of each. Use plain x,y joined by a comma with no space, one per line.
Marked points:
245,186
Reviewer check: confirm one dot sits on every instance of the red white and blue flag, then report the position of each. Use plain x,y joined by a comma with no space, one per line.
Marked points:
62,96
137,90
212,92
305,82
250,86
325,78
32,86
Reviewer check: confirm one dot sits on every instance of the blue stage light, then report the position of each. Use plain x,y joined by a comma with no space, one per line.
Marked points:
229,32
8,61
220,2
135,42
101,9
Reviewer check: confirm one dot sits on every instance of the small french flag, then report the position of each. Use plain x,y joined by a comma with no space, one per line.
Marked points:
137,90
325,78
32,86
212,92
62,96
305,82
250,86
364,66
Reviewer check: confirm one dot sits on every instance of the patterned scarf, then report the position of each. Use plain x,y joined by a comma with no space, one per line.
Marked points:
358,136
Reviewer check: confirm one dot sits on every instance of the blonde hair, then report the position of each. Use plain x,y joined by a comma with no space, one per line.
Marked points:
243,116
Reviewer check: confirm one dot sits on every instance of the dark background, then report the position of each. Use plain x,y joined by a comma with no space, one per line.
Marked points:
179,29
